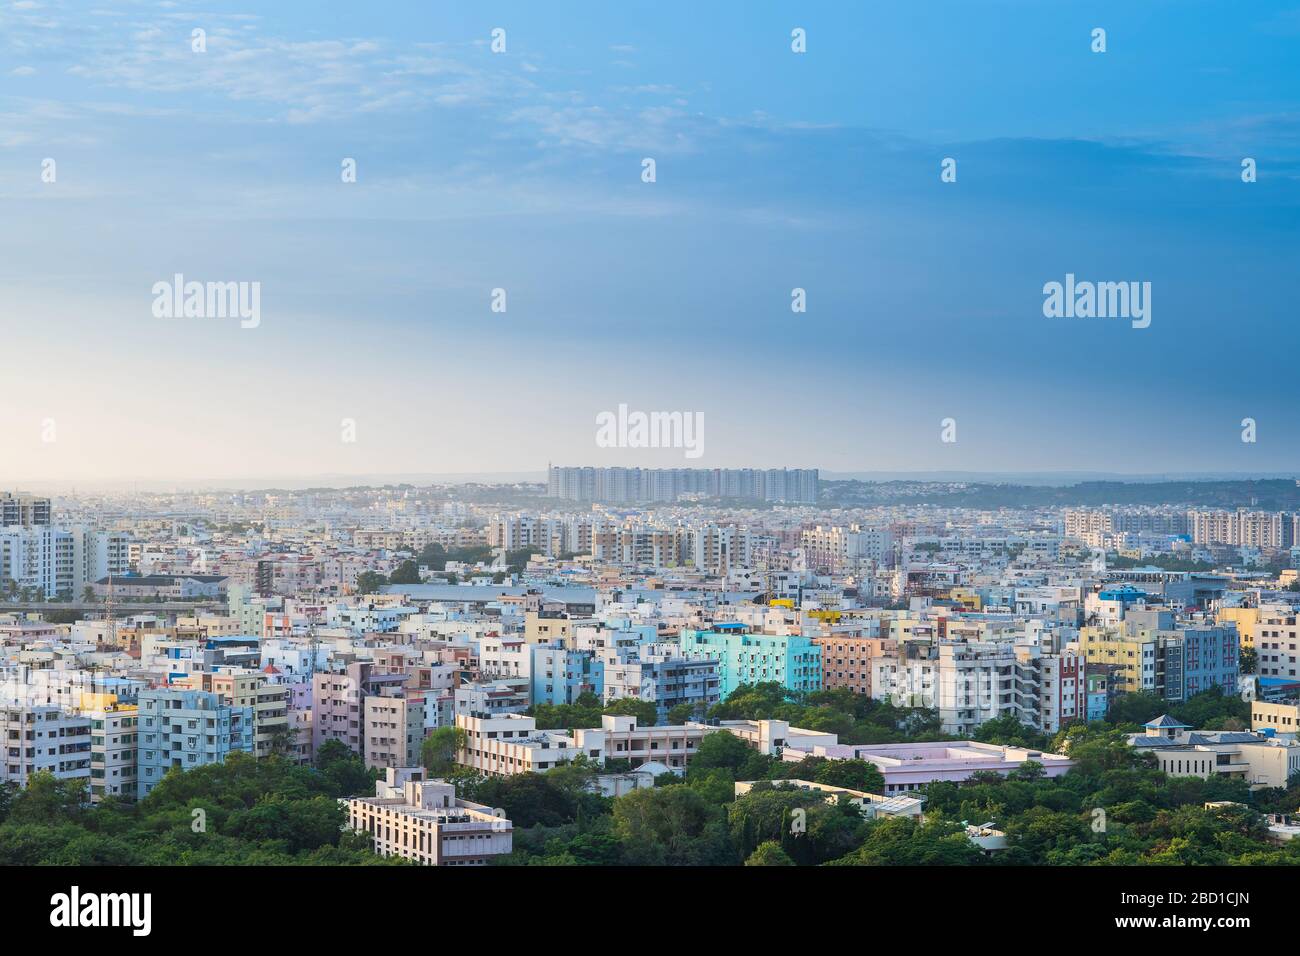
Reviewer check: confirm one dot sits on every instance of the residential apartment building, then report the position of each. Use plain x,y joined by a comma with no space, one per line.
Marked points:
1276,640
423,820
836,550
23,509
793,661
393,729
847,661
970,683
629,485
43,738
114,751
663,676
185,729
507,744
268,701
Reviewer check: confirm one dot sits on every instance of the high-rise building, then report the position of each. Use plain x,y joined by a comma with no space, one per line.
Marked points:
23,509
630,485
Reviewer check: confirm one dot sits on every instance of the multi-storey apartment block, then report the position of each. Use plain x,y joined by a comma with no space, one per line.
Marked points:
184,729
423,820
114,751
43,738
393,729
747,658
847,660
661,675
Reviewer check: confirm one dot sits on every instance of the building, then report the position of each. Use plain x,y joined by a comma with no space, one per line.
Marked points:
114,750
632,485
507,744
58,562
847,661
393,730
44,738
871,805
423,820
337,703
1275,718
620,738
1259,759
184,729
836,550
972,682
269,703
661,675
793,661
172,587
1149,652
23,509
1275,638
909,767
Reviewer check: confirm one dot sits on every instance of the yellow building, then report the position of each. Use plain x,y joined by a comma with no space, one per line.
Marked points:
1282,718
1134,656
542,630
1246,619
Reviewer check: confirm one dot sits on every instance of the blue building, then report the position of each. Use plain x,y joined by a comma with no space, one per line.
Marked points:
1211,658
792,661
561,676
187,729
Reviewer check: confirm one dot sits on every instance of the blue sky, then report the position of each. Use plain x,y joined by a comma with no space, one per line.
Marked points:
522,171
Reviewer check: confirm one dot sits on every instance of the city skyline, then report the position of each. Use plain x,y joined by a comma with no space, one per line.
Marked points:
522,171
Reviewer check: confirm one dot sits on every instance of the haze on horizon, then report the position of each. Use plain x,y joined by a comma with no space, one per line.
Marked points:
522,171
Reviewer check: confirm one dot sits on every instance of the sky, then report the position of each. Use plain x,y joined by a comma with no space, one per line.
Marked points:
376,349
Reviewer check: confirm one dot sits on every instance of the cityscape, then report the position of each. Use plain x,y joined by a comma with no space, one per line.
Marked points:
680,450
548,672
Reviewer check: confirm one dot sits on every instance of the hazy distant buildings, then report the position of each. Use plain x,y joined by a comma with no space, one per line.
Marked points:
22,509
630,485
59,562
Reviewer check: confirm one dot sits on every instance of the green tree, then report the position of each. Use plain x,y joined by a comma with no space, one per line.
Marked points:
439,750
369,582
406,573
644,711
769,854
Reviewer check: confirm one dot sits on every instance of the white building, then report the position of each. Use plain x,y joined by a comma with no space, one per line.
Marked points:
424,820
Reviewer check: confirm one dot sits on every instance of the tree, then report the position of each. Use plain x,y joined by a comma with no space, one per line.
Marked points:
645,712
681,713
769,854
434,557
369,582
671,826
851,774
722,750
439,750
407,573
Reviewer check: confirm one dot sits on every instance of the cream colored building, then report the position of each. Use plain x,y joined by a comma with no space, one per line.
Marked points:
423,820
1280,718
1182,752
